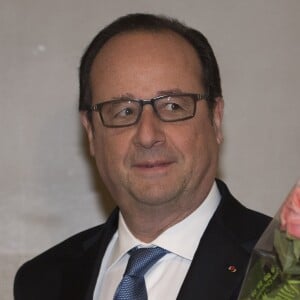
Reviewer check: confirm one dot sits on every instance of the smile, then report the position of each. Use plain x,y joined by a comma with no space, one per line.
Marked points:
150,167
153,165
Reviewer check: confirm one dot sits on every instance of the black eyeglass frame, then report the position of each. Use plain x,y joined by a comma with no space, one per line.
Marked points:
98,107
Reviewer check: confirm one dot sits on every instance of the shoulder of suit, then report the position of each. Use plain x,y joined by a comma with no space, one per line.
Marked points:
69,249
72,246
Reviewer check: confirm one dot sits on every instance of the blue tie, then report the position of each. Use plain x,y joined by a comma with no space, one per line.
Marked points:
132,285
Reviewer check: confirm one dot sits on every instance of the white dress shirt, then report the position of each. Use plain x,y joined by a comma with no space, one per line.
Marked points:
181,240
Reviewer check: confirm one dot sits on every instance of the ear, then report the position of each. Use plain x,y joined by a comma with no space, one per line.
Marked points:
217,119
88,126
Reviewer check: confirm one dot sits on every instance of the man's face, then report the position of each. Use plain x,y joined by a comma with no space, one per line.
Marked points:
153,163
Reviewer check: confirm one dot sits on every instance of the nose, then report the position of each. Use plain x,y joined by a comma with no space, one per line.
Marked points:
149,129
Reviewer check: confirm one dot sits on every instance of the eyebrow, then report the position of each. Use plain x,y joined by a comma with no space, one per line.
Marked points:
158,93
169,92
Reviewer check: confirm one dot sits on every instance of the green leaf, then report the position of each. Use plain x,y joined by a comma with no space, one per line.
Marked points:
288,251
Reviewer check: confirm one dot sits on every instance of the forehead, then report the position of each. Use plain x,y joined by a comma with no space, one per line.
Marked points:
133,55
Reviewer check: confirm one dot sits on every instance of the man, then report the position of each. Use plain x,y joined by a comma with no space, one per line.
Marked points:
152,107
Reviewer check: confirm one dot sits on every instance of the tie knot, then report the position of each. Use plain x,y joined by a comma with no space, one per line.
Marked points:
142,259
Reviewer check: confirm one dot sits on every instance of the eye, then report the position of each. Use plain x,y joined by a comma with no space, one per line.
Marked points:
127,111
124,110
172,106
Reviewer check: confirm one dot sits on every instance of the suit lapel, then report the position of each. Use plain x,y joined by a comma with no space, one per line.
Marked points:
81,271
210,274
221,259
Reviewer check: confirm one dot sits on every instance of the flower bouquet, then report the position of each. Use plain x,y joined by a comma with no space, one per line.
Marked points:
274,268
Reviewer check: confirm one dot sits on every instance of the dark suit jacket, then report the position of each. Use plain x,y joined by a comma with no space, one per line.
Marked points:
69,270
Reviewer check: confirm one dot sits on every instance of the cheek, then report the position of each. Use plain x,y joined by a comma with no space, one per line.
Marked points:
196,140
201,149
110,152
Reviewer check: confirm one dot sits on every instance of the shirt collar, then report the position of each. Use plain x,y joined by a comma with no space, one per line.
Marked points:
189,230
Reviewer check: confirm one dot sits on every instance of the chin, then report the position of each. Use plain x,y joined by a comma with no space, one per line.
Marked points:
155,197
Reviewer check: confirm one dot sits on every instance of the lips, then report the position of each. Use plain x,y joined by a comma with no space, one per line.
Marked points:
152,162
152,165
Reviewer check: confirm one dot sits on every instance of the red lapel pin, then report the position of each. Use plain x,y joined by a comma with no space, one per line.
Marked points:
232,269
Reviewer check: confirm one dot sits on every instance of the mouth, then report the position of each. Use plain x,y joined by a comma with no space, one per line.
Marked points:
153,166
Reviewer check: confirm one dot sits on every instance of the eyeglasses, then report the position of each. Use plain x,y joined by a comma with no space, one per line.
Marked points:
126,112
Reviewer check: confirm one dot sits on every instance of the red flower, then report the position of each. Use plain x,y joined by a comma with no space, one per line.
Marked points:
290,212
